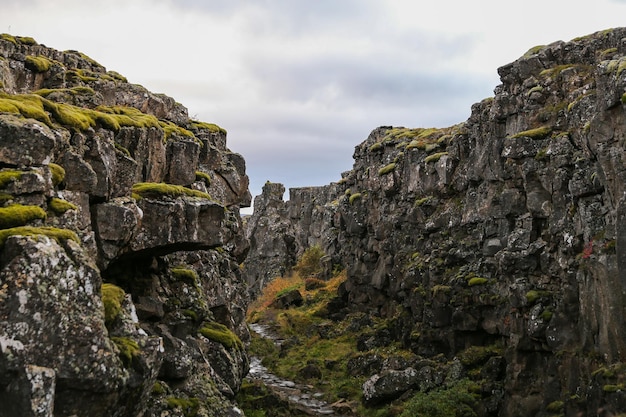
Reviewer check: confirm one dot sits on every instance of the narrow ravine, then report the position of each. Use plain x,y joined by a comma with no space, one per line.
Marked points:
301,396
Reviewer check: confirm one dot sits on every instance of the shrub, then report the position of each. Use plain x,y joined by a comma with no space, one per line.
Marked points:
310,261
313,284
454,400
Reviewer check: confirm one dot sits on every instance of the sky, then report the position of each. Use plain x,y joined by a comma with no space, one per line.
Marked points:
299,83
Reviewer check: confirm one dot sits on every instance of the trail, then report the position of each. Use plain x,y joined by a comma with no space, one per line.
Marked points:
301,396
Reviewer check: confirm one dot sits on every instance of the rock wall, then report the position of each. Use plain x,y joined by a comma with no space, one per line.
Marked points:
503,232
120,243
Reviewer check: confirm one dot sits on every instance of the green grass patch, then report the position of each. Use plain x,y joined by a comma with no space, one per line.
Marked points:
157,190
18,215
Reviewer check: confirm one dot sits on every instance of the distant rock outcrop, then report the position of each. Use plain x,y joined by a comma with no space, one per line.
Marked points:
120,244
504,233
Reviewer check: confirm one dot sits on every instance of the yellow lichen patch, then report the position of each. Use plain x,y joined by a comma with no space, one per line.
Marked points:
19,215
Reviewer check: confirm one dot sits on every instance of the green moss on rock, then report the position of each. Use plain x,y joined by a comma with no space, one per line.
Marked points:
129,349
58,174
37,63
52,232
112,298
354,197
435,157
8,176
221,334
59,206
212,127
19,215
185,274
203,176
387,169
189,406
156,190
537,133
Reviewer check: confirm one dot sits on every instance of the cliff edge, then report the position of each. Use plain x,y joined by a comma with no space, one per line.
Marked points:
120,245
501,238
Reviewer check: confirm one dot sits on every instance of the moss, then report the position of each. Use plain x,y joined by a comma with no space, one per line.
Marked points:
129,349
170,129
52,232
112,298
37,63
8,176
26,40
156,190
535,89
378,146
74,91
387,169
212,127
534,50
157,388
477,281
221,334
451,400
444,289
537,133
203,176
477,355
117,76
354,197
555,406
189,406
27,105
9,38
421,201
19,215
59,206
533,295
434,157
185,275
546,315
623,99
58,174
122,150
191,314
612,388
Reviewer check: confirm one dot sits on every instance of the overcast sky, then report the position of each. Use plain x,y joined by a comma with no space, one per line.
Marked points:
298,84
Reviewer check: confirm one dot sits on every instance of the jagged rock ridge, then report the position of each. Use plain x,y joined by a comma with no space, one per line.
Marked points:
120,244
505,232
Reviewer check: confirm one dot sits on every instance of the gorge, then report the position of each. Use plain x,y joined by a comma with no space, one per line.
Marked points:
489,253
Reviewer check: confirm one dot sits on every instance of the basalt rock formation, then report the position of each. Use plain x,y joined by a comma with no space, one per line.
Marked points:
120,244
499,241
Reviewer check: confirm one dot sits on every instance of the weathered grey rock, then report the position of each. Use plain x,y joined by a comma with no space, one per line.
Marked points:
389,384
25,142
504,229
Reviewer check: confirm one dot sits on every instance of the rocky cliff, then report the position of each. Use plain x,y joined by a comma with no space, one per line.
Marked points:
120,244
501,238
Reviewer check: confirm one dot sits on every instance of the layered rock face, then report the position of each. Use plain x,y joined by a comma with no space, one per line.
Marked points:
120,243
505,232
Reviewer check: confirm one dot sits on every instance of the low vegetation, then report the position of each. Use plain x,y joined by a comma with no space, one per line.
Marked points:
157,190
